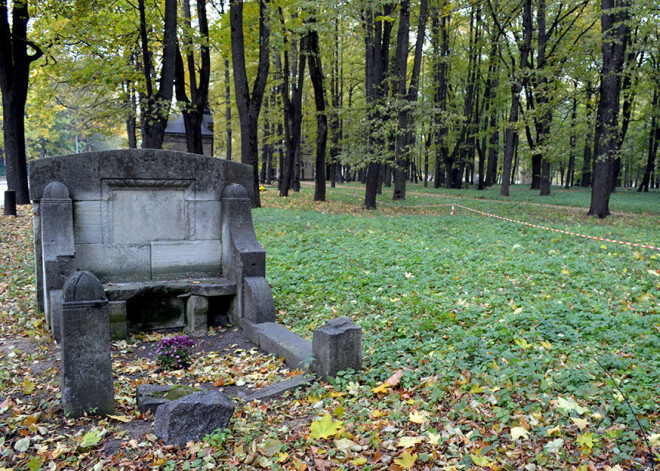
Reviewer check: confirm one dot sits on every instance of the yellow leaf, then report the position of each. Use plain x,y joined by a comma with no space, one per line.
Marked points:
480,460
338,412
377,414
61,449
28,386
434,438
282,457
586,441
359,461
407,460
553,431
409,442
120,418
546,345
580,423
325,427
519,432
416,417
380,389
476,389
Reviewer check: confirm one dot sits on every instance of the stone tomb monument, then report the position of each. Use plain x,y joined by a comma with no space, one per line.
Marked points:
146,239
169,235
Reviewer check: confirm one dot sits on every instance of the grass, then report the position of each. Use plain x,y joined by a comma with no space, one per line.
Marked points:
489,333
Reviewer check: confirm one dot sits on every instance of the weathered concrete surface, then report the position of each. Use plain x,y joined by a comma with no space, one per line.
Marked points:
150,396
86,364
279,388
278,340
337,346
192,417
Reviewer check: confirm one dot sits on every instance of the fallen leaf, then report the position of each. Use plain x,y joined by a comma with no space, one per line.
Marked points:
480,460
568,405
409,442
394,380
380,389
580,423
325,427
518,433
407,460
120,418
555,446
416,417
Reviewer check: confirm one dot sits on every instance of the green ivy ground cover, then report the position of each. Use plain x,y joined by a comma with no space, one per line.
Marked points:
487,344
521,309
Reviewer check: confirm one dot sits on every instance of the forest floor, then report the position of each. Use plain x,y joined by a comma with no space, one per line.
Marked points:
487,344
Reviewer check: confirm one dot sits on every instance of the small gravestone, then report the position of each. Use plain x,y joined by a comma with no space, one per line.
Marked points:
337,346
85,338
150,396
192,417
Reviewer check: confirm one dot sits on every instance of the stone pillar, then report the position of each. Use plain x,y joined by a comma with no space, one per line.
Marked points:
197,315
337,346
118,327
86,365
57,243
244,260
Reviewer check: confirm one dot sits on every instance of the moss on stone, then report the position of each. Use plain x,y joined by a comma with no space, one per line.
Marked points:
176,392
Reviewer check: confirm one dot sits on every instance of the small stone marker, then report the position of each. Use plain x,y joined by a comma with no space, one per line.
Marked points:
10,203
337,346
192,417
85,336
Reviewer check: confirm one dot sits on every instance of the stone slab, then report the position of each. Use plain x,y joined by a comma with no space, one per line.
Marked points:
279,388
88,222
278,340
184,259
115,263
200,287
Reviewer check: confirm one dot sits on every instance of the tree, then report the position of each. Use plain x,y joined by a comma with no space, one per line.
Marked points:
316,75
155,104
15,61
614,17
193,108
249,104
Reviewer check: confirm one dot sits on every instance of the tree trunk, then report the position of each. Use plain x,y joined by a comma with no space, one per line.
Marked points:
156,107
615,32
14,79
316,74
586,159
377,46
515,98
654,139
249,105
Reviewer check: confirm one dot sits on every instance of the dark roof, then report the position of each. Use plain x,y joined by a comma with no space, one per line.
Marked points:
175,125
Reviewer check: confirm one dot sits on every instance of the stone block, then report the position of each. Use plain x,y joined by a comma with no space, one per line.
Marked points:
192,417
115,263
118,326
337,346
279,388
86,364
197,315
278,340
150,396
258,300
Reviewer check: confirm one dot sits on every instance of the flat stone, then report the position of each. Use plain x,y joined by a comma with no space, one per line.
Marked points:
150,396
198,287
192,417
276,339
277,389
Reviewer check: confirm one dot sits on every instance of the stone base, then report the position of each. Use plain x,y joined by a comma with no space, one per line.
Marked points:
150,396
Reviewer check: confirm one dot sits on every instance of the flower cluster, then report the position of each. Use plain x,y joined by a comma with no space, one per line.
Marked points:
175,352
